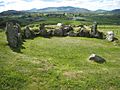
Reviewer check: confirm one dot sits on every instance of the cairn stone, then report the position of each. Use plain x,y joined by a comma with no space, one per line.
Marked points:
110,36
58,32
94,28
99,35
27,32
95,33
63,30
42,31
50,33
13,33
72,34
83,33
96,58
42,26
59,24
67,28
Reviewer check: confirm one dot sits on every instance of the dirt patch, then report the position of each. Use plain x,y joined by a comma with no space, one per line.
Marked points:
72,74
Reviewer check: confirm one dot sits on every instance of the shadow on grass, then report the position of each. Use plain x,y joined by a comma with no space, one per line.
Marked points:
18,48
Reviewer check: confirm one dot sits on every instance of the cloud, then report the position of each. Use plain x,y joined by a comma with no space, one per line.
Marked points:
1,3
29,4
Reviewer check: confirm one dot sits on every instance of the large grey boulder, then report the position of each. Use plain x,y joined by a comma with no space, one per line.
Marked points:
110,36
13,33
50,33
58,32
83,32
67,28
96,58
27,32
63,30
72,34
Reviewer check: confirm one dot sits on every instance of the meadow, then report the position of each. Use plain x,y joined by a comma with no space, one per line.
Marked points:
61,63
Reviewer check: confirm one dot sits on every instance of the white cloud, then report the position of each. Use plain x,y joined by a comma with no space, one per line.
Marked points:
29,4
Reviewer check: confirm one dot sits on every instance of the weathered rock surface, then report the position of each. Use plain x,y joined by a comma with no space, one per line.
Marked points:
42,31
13,33
95,33
96,58
58,32
110,36
83,33
63,30
27,32
72,34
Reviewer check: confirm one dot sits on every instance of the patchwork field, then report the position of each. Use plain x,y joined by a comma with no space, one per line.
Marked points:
61,63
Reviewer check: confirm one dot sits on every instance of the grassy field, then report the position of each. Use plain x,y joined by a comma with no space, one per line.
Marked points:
60,64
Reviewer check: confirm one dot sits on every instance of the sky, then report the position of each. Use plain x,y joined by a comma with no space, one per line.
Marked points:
29,4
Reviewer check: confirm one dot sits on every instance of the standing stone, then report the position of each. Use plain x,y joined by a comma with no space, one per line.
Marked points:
42,31
110,36
27,32
19,35
95,33
94,28
42,26
13,34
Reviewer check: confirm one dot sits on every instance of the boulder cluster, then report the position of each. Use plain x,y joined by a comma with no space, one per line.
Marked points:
67,30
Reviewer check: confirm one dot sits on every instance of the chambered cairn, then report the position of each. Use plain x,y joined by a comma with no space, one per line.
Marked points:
14,36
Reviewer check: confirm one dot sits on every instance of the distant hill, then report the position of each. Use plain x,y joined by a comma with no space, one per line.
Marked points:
100,11
61,9
115,11
68,9
12,12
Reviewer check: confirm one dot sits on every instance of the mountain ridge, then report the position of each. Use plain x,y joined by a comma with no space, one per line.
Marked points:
68,9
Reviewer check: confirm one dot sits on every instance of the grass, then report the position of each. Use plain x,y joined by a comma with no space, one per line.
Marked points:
60,64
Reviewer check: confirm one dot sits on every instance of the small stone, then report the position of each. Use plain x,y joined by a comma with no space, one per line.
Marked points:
96,58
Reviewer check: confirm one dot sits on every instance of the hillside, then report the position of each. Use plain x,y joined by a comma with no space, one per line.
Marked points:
12,12
116,11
